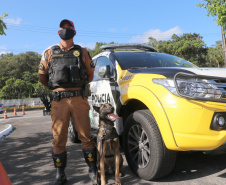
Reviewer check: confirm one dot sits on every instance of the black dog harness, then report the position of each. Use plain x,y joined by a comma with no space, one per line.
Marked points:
108,133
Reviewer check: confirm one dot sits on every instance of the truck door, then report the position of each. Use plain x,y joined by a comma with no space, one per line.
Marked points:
102,89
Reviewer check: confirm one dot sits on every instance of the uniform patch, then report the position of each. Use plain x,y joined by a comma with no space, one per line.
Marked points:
92,64
76,53
56,51
58,160
90,157
58,55
41,67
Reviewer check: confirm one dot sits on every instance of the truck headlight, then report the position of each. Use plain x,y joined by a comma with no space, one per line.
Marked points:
198,89
168,84
192,87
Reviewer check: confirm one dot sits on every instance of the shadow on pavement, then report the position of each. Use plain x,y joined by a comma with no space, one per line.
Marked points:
193,165
27,158
28,161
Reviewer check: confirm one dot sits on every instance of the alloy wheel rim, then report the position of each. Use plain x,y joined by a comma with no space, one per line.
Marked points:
138,146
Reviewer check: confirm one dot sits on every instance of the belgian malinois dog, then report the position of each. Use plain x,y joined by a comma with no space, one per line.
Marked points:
108,144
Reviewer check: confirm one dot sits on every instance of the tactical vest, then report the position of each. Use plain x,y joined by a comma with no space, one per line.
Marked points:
67,69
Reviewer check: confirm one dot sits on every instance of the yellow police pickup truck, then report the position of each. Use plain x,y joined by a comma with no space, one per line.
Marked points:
167,105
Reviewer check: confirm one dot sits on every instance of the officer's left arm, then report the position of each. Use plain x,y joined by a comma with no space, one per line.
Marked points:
89,64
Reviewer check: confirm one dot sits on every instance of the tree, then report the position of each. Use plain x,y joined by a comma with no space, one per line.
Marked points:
153,42
7,92
18,75
217,8
189,46
16,65
40,88
31,77
20,88
2,24
96,50
4,55
215,55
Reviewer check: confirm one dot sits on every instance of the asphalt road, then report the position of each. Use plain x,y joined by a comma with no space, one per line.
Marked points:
26,157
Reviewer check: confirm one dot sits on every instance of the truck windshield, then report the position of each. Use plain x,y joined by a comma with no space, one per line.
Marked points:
128,60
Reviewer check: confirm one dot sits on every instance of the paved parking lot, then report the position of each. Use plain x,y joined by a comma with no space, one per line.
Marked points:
26,156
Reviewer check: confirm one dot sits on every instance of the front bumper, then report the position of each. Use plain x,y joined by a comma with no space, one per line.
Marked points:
191,120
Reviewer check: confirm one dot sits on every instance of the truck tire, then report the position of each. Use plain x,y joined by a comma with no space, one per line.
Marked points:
72,133
145,151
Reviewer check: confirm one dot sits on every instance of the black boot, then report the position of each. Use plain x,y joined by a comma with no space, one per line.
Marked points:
90,158
60,161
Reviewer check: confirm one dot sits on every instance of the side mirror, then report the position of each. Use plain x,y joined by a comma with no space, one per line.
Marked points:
104,72
107,73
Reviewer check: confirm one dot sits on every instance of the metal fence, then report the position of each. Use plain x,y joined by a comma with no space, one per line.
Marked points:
19,102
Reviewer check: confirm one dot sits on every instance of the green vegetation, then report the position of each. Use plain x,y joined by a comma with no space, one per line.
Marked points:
19,73
217,9
2,24
19,76
191,47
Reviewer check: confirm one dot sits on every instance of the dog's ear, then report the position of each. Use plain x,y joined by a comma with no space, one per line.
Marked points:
96,108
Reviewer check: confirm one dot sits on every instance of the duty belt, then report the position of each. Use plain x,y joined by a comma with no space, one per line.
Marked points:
57,95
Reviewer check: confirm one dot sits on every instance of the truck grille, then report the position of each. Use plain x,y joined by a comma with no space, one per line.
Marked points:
220,84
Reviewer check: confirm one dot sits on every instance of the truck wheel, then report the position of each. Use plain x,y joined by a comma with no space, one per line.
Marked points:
145,151
72,133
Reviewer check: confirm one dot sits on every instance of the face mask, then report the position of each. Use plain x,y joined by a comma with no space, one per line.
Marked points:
66,34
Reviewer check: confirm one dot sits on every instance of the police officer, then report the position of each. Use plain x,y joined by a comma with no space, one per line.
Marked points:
66,69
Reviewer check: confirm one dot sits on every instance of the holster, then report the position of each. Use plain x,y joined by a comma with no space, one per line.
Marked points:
86,92
55,95
47,104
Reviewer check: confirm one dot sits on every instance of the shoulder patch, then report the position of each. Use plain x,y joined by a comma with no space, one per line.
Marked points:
56,51
92,64
41,67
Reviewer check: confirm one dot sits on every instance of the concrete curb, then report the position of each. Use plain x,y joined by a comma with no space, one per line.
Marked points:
5,130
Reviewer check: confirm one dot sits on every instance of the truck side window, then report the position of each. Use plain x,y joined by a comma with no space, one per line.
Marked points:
101,62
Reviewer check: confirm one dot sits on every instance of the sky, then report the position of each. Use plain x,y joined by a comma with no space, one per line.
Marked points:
33,25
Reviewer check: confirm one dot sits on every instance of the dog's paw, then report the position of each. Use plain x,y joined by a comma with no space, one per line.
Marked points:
120,174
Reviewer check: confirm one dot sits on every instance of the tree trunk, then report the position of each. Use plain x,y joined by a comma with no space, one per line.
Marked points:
224,45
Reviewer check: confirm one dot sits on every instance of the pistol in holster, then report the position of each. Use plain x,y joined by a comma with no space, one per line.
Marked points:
47,104
86,92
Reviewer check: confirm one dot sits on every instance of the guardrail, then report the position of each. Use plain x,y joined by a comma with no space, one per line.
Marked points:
19,102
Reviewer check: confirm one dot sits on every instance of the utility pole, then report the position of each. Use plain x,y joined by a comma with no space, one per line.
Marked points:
224,45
